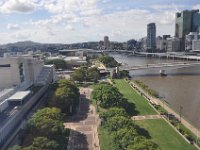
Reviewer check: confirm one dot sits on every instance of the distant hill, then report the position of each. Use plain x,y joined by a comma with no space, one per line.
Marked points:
23,46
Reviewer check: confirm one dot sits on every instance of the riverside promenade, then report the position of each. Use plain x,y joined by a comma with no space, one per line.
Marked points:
157,101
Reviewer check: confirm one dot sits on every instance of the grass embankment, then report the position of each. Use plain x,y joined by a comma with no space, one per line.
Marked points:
141,104
164,135
174,121
146,88
160,131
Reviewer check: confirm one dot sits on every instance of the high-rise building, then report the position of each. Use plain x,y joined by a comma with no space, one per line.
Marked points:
151,36
106,42
186,22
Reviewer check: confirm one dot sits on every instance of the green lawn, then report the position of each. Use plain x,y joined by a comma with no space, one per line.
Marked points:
164,135
141,104
104,139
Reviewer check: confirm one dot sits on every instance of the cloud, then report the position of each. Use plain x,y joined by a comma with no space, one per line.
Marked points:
13,27
19,6
167,7
81,7
22,36
70,27
196,6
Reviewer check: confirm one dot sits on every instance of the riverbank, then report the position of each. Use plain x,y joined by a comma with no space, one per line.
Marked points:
166,131
182,127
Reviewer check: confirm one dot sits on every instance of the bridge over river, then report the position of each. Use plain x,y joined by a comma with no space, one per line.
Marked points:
161,67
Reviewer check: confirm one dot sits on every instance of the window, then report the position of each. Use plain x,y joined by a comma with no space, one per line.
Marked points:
4,65
21,71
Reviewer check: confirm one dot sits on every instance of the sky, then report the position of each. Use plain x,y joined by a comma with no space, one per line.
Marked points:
71,21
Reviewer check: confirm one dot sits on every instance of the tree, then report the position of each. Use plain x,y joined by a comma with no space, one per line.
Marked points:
124,74
79,75
108,96
118,122
93,74
66,96
141,143
43,143
59,63
47,122
112,112
108,61
122,138
83,74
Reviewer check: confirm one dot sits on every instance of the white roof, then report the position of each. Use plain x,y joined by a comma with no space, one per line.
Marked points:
19,96
74,58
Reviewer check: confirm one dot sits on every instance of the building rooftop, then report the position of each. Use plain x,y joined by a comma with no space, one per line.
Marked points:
75,58
18,96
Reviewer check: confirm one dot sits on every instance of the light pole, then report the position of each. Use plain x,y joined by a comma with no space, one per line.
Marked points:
197,136
180,112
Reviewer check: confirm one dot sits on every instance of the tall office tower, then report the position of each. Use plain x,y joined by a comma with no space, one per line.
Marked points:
186,22
106,42
151,36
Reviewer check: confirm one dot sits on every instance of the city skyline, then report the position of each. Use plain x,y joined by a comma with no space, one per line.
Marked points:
45,21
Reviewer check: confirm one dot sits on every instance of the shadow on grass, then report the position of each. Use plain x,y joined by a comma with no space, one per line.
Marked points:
130,108
143,132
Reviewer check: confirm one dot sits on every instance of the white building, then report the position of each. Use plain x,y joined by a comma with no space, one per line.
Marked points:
173,44
16,70
192,36
196,44
161,44
143,43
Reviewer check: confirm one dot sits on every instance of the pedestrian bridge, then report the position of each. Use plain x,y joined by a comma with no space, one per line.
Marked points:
160,66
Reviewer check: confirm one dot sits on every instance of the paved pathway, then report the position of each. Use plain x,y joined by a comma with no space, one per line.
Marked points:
83,125
147,117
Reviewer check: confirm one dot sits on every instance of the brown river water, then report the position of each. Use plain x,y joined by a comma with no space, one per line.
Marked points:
181,87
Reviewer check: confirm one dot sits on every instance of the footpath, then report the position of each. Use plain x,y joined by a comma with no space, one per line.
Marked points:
84,125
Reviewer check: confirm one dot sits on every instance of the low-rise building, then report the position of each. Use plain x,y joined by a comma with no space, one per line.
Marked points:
196,45
192,36
173,44
16,70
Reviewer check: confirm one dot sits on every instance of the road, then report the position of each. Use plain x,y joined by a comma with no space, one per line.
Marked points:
83,125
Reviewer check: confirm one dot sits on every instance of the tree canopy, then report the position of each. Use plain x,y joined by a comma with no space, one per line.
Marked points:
108,61
108,96
43,143
86,74
59,63
142,143
117,122
112,112
122,137
66,96
47,122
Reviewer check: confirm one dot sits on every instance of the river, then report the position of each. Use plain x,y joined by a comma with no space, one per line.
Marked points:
181,87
